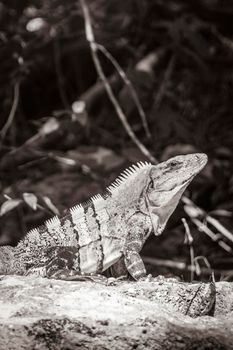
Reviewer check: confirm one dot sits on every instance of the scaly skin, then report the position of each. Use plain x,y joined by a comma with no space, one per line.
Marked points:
108,230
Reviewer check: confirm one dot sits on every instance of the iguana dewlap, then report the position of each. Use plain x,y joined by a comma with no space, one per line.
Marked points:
109,229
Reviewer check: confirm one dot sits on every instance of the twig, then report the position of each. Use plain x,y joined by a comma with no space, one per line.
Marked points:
215,237
223,39
94,49
167,76
59,74
129,85
180,265
201,63
189,240
13,110
214,222
194,212
197,266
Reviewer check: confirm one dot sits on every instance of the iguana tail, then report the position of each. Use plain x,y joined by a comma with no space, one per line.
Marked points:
8,260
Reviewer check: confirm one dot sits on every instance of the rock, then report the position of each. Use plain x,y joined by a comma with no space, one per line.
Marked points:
38,313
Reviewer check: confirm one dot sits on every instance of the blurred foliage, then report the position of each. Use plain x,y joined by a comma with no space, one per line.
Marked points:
61,107
43,46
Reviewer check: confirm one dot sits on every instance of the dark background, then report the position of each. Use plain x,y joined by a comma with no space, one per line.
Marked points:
50,149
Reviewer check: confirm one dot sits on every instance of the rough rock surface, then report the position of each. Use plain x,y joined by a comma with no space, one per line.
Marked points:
38,313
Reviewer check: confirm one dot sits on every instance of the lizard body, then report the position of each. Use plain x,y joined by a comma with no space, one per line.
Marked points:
110,229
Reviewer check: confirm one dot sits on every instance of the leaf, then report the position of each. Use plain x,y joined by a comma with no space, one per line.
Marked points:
50,205
31,200
49,126
9,205
35,24
78,107
79,112
64,160
6,196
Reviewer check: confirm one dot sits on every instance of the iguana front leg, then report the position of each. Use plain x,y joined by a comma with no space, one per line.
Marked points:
140,228
134,264
131,264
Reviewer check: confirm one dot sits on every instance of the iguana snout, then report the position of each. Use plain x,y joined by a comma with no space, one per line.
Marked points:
176,172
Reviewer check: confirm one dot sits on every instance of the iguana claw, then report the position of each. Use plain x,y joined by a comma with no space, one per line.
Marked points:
147,278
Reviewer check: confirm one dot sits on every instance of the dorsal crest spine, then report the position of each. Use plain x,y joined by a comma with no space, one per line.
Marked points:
53,222
77,211
126,174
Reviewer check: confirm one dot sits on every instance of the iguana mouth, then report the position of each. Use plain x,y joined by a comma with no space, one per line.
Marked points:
202,158
197,162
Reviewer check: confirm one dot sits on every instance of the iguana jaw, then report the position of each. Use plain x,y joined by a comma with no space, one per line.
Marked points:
167,183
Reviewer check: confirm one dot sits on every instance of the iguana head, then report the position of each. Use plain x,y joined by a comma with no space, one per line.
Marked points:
156,189
166,183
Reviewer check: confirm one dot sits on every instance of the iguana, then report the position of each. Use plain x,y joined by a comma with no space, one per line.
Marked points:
109,230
